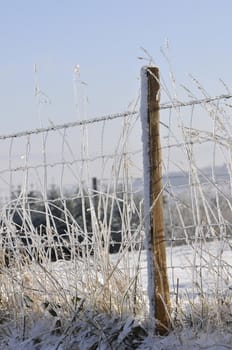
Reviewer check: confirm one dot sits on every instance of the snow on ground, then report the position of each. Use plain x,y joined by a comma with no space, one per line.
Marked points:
90,331
202,267
82,336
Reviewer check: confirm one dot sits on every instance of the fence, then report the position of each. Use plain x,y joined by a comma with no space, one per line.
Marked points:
72,224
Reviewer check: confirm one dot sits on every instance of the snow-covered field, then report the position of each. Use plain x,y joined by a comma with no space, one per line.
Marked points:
200,285
195,270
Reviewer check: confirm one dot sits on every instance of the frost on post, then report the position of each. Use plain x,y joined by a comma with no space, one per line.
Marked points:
147,189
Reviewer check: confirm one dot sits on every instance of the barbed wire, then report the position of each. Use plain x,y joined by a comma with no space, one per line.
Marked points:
177,104
70,162
69,125
173,175
108,117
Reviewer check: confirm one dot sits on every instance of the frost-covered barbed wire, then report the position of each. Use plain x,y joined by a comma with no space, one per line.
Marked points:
70,162
80,123
194,102
163,106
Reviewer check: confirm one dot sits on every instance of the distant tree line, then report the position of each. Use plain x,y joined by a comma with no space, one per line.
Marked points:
115,215
114,212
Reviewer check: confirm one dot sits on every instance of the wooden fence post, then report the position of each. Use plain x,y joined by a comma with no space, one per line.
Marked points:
154,225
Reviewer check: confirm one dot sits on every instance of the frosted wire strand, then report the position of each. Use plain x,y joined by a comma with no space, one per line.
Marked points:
111,117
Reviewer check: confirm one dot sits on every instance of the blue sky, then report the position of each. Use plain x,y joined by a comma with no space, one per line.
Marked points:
105,39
